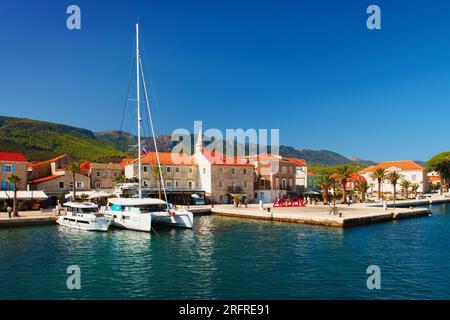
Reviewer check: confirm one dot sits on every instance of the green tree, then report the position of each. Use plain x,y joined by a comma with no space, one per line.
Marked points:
414,189
14,180
344,173
325,184
441,164
74,168
379,174
393,178
405,184
362,187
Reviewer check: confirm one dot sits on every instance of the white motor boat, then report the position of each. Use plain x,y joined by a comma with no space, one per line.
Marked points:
84,216
141,214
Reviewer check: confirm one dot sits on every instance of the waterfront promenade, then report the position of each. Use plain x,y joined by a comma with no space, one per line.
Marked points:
27,218
354,215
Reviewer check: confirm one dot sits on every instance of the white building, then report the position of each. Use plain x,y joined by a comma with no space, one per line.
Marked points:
409,170
301,172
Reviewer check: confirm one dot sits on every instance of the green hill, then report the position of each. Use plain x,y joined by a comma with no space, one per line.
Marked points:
39,140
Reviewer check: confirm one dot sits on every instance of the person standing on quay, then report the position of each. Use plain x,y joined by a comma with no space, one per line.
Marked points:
9,210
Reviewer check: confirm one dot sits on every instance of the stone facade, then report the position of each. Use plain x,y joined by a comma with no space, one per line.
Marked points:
51,176
227,180
9,168
62,184
104,175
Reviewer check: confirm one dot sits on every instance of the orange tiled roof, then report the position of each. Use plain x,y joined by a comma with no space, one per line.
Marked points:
165,158
46,178
298,162
434,178
218,158
125,161
402,165
38,163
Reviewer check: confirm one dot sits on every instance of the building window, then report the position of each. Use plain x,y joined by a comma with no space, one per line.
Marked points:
220,184
98,173
177,183
283,183
168,169
191,185
145,183
221,198
221,170
79,185
277,183
413,178
245,171
7,168
7,185
283,169
204,170
61,184
98,185
245,184
177,170
190,170
115,174
145,168
233,171
169,184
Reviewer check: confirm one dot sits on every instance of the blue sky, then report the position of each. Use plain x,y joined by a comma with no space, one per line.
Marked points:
310,68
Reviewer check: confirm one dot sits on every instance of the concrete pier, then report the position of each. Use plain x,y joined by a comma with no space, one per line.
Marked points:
320,215
27,218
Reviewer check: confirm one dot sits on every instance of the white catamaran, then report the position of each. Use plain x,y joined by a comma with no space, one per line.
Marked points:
138,213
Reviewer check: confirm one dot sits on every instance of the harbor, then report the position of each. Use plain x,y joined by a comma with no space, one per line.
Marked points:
231,258
351,216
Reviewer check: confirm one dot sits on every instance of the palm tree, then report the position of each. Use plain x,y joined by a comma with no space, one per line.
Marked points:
414,189
379,174
344,173
393,178
14,180
362,187
121,179
74,168
325,184
405,184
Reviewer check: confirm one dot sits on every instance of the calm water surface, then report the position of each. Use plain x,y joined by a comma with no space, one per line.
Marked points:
225,258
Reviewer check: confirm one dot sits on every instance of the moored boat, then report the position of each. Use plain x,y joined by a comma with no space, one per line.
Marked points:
84,216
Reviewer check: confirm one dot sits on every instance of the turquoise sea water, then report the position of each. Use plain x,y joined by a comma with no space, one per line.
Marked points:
226,258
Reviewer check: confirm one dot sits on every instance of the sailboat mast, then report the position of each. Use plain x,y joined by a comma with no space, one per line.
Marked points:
138,111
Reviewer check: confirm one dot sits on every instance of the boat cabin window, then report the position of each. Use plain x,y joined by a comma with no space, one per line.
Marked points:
84,210
148,208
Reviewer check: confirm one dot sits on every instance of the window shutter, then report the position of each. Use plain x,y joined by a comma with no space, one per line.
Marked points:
3,169
3,184
13,168
11,186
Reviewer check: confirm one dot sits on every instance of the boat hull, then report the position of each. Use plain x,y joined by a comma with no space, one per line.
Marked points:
131,221
179,219
99,224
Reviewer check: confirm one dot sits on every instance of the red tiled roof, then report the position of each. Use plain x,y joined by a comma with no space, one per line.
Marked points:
298,162
46,178
85,166
402,165
38,163
12,156
126,161
219,158
165,158
434,178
